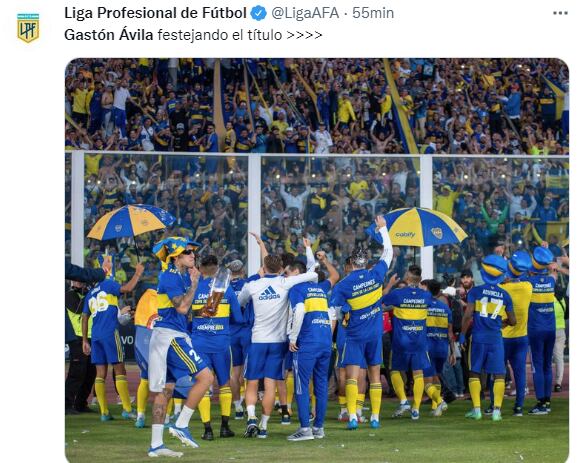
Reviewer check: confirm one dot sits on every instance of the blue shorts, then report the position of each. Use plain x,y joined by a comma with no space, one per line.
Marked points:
239,345
266,360
289,360
220,363
182,360
141,349
107,351
360,352
489,358
404,361
437,363
339,358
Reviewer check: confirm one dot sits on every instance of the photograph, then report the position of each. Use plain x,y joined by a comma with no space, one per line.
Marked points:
371,254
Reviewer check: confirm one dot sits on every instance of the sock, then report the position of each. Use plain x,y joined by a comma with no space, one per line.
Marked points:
374,417
360,403
157,435
178,406
284,410
264,421
225,400
101,397
290,383
375,398
207,426
242,391
169,409
184,419
204,408
439,390
418,390
143,393
123,390
433,393
238,405
498,390
352,397
475,391
342,403
251,412
398,385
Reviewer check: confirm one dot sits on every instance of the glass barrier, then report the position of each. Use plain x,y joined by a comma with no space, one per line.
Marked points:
503,204
206,194
331,200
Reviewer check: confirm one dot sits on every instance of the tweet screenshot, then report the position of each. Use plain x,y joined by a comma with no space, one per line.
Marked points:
294,231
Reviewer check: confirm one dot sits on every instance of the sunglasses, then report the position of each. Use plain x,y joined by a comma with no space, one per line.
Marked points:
188,252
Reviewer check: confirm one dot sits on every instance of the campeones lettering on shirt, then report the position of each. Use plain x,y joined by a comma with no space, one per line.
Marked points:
316,326
211,334
438,320
361,291
541,308
409,321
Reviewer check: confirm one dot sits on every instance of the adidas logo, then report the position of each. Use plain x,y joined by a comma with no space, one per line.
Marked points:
269,294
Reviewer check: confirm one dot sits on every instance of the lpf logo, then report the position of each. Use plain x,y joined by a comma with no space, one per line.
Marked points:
27,27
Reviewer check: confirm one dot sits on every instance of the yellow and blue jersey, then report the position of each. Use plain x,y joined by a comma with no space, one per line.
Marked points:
102,304
520,292
172,284
247,311
492,303
438,319
212,334
409,318
146,311
541,308
360,293
315,330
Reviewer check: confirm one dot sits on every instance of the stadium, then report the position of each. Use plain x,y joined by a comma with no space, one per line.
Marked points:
316,149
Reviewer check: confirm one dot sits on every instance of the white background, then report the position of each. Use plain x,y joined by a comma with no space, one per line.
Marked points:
32,185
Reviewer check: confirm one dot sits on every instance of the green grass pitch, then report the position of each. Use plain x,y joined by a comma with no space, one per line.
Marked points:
450,438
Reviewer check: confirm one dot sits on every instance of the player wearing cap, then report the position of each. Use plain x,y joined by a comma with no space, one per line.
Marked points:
515,340
487,305
173,363
211,339
359,296
541,327
101,304
266,353
409,343
310,339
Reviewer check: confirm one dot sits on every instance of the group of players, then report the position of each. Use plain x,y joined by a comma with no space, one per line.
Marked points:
282,319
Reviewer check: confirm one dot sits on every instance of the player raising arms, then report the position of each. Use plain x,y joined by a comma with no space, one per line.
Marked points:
310,341
173,363
266,353
487,305
359,296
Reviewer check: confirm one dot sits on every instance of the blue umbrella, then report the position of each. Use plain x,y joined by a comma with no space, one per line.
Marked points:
420,227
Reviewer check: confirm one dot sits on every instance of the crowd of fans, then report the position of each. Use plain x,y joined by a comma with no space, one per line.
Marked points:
457,106
315,107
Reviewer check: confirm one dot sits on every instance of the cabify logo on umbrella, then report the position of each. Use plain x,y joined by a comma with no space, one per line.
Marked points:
417,226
